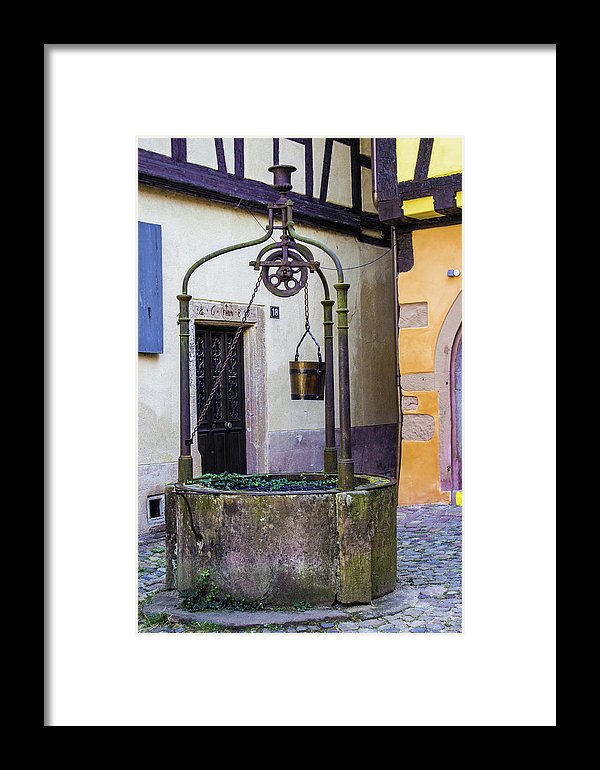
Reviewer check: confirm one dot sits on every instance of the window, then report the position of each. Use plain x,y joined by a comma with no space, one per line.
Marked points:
155,509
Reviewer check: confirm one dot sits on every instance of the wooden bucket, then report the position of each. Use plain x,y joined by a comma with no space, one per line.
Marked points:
307,380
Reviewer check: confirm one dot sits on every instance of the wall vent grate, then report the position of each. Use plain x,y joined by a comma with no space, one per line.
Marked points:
155,509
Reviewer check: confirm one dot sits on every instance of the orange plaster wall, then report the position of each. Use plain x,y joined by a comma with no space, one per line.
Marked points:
436,250
419,473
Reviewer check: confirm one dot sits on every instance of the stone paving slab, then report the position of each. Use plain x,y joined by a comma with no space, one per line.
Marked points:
427,598
402,598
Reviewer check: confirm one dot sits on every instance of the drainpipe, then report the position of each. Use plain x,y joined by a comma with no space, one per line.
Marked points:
374,172
397,355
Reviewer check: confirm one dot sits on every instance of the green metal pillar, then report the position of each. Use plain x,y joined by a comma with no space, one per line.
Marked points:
330,452
185,465
345,462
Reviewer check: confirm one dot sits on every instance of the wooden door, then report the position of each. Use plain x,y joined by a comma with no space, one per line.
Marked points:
221,436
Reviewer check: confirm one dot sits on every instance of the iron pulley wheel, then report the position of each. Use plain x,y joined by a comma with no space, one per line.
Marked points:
285,277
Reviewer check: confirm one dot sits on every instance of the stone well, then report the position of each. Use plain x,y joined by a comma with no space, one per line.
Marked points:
318,546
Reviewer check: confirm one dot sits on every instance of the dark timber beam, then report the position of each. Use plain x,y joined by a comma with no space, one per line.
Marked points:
162,171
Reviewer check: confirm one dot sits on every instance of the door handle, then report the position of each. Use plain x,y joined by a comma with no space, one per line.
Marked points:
229,425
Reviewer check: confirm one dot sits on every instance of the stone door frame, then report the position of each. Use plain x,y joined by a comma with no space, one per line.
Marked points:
456,449
443,385
216,313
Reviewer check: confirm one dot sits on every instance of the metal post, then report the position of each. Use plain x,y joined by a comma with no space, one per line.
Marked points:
185,466
330,452
345,463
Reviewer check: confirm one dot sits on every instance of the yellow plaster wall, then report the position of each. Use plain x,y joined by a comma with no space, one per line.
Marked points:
436,250
407,150
446,157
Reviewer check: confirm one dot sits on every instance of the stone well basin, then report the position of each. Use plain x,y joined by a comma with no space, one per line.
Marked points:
317,546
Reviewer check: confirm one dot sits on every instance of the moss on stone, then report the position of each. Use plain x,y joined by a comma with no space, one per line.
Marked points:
287,548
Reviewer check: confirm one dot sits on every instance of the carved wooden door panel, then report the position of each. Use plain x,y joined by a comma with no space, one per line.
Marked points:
222,435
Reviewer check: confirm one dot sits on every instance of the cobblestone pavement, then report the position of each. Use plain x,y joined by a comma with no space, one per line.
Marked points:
429,562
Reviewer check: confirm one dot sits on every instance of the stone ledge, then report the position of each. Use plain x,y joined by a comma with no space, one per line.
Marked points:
167,601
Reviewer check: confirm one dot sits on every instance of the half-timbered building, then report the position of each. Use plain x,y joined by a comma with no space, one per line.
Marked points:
391,209
418,187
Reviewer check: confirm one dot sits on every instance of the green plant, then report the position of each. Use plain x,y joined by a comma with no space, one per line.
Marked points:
258,482
204,628
302,606
153,619
206,597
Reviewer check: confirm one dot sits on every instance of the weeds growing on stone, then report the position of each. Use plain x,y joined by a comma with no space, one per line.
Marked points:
205,597
153,619
258,482
302,606
205,628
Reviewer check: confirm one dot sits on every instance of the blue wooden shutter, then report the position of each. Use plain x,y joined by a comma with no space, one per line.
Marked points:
150,304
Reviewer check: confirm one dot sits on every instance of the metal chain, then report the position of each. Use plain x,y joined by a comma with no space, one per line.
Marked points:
217,382
307,326
307,323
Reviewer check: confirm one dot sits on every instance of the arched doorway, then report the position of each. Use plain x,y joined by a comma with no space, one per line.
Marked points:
456,412
447,346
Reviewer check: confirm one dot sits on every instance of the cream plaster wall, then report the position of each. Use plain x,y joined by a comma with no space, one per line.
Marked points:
193,227
340,182
201,150
258,157
159,144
